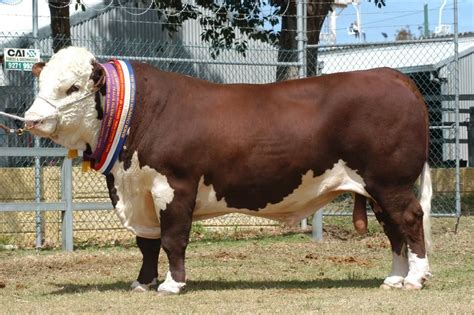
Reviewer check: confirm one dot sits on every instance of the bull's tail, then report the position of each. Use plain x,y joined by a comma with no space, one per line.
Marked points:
426,192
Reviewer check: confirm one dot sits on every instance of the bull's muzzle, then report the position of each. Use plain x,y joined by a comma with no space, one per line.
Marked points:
39,127
41,119
31,124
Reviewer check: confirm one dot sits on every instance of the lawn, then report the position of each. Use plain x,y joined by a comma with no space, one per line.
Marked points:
259,272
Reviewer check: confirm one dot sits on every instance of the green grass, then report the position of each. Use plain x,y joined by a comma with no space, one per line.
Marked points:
259,272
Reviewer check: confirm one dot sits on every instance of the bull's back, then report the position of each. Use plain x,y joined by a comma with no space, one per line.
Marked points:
311,123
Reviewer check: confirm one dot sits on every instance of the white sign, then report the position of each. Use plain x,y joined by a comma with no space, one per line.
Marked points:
20,59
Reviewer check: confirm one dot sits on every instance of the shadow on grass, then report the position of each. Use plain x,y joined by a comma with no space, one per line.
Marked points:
220,285
83,288
216,285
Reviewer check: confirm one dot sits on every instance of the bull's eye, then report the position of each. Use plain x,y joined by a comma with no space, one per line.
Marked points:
72,89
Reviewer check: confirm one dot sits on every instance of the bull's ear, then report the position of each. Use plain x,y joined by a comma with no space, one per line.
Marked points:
37,68
98,75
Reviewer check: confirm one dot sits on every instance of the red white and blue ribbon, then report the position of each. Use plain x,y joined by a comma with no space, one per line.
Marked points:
118,111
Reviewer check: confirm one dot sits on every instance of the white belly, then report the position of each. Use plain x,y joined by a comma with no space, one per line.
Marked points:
311,195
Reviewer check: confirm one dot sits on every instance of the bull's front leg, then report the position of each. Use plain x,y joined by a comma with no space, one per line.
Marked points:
150,249
176,221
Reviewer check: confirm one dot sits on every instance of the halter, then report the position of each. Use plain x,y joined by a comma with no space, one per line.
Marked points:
49,102
62,106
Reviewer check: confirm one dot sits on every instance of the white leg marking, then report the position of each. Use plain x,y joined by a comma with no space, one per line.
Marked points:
399,270
169,286
139,287
426,193
419,271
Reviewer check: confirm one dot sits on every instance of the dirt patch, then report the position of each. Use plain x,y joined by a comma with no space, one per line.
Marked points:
311,256
377,243
224,255
338,232
349,260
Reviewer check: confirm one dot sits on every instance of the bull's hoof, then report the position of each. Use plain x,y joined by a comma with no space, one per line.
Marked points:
141,287
413,283
170,287
167,293
412,286
386,286
392,282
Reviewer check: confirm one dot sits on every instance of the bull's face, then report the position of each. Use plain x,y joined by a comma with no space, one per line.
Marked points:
64,109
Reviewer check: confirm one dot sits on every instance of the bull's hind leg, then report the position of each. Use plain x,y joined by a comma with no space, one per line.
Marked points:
150,249
399,254
402,217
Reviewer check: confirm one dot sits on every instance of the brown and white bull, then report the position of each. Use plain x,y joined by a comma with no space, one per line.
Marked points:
197,150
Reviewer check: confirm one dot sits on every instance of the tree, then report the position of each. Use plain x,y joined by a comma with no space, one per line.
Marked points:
247,17
316,14
232,18
404,34
60,26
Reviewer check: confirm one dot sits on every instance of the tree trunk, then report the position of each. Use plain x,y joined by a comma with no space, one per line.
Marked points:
288,45
317,12
60,26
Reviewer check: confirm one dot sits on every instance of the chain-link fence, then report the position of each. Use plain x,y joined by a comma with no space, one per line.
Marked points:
34,194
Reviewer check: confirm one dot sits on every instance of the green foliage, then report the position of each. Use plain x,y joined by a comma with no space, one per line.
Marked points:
226,21
79,4
379,3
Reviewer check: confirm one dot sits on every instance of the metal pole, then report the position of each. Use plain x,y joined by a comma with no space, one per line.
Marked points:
305,39
318,226
456,104
38,215
300,38
66,215
470,137
426,28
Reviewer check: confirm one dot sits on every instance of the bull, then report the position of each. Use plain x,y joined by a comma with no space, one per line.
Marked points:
176,149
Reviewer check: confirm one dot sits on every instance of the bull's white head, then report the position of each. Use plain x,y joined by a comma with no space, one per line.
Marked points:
64,109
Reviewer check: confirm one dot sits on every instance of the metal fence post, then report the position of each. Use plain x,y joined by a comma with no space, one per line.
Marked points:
301,36
470,137
301,40
66,214
456,104
39,215
318,226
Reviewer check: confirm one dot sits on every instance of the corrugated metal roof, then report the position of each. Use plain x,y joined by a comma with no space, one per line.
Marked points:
409,57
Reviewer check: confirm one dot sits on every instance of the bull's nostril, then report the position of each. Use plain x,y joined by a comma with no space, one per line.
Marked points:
31,124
